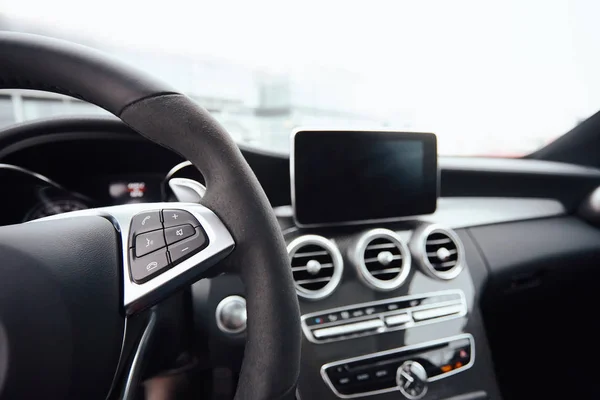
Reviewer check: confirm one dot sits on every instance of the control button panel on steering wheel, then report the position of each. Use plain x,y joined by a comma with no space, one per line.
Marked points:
178,233
151,231
145,268
148,242
178,217
144,222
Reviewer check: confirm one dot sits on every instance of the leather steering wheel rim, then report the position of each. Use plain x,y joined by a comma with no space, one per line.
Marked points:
272,356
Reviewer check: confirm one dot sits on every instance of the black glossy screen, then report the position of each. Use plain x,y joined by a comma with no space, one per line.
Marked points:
356,176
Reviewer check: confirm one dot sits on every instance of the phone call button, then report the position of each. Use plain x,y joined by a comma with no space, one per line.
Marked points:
145,268
144,222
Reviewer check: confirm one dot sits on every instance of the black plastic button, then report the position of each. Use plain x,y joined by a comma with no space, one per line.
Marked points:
333,317
149,242
144,222
344,380
147,267
181,250
178,217
364,377
381,373
177,233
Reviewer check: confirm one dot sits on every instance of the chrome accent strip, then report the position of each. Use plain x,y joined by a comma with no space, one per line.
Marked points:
461,301
398,319
177,168
187,190
139,296
419,249
348,328
363,272
399,350
436,312
338,265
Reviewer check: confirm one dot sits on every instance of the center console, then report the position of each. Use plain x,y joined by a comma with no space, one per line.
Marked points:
389,327
388,303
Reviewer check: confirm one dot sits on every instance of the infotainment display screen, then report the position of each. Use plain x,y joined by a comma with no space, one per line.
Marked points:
343,177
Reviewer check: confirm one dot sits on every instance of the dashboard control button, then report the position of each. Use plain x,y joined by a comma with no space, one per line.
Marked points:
178,217
147,267
364,377
148,242
177,233
332,317
341,369
188,247
441,299
412,380
347,329
409,369
382,373
144,222
231,315
398,319
344,380
437,312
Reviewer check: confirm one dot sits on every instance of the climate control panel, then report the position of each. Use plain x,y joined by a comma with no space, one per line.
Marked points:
383,316
408,369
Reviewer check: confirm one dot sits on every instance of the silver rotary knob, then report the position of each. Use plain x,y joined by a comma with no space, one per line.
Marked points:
411,378
231,314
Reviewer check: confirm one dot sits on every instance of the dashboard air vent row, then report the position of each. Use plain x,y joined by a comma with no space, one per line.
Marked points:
382,259
317,266
442,253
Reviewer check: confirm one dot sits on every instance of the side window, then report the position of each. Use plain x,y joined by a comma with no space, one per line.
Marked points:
7,111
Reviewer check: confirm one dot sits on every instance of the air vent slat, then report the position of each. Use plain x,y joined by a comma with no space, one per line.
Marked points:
386,271
441,253
304,268
381,246
434,254
382,259
316,265
317,280
438,241
374,259
311,254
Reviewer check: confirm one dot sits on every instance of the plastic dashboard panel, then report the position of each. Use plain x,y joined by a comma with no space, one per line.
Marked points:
541,270
460,176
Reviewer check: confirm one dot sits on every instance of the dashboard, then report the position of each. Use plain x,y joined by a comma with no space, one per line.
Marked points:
448,304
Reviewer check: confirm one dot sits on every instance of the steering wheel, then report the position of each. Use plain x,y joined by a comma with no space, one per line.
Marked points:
70,284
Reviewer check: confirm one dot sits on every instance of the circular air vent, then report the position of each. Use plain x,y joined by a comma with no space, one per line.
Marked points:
440,252
317,266
382,259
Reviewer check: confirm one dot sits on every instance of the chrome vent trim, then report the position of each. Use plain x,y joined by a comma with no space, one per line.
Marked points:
382,259
439,251
317,266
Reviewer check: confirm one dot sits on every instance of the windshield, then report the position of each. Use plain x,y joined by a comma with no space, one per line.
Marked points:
489,78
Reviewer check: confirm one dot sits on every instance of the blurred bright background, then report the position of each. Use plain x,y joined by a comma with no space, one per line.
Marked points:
492,78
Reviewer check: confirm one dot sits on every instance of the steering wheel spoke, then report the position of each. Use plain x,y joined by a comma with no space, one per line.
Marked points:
165,246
